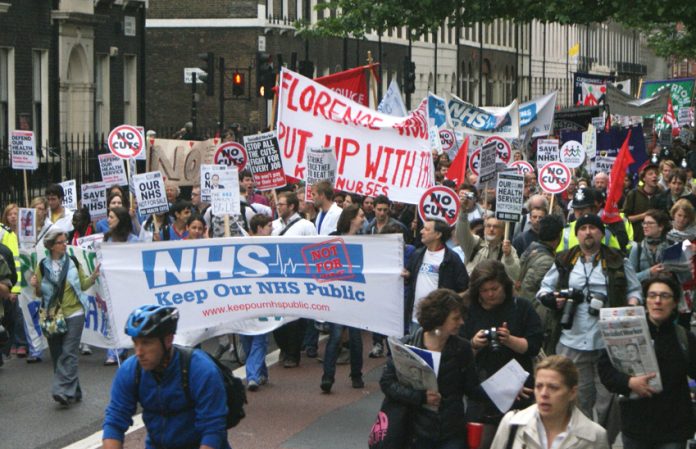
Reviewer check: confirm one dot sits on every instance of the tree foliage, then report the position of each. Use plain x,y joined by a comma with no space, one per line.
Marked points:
658,18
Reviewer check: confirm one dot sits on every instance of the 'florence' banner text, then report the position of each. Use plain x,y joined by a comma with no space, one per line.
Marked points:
376,153
355,280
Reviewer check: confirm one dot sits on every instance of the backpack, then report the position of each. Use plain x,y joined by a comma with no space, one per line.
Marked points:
234,387
6,254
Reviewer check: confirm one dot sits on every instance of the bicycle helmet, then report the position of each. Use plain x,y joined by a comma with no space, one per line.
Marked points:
152,321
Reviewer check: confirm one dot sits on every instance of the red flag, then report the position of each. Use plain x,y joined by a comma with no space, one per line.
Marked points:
669,117
616,181
457,170
351,83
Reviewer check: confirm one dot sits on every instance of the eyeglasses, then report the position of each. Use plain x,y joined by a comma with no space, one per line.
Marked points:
648,223
662,295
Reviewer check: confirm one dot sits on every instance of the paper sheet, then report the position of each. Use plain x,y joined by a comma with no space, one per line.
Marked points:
504,386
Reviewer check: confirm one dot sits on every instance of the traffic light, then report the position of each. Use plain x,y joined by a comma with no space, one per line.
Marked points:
409,76
306,68
238,84
265,75
209,68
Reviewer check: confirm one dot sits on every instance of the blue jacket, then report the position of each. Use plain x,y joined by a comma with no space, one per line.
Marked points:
169,420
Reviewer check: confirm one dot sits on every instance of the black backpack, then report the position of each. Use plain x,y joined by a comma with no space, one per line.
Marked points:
7,255
234,387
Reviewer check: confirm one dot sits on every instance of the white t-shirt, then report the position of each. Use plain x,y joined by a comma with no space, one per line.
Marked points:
428,277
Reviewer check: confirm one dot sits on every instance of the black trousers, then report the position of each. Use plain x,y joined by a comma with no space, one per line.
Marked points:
289,338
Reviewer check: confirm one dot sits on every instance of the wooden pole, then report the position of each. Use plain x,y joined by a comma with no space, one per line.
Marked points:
373,81
275,104
507,231
551,204
26,189
226,220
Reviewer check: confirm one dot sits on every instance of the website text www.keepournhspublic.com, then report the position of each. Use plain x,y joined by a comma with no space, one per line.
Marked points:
270,305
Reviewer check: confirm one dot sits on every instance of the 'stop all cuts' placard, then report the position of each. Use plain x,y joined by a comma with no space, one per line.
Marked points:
439,203
152,197
112,170
69,194
547,151
508,196
23,150
264,160
94,199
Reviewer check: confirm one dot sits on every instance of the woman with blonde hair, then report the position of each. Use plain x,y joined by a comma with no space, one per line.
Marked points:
554,417
40,203
684,228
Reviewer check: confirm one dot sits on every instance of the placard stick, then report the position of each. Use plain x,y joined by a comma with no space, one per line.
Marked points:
128,178
373,81
26,190
507,231
551,204
275,104
155,223
226,221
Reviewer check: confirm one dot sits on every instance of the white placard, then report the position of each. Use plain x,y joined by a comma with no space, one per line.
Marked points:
217,177
547,151
589,141
151,194
27,226
603,164
487,164
598,122
112,170
555,177
225,202
439,203
508,196
69,194
572,154
94,199
23,150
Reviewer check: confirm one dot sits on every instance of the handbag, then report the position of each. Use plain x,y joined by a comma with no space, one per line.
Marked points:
391,428
51,318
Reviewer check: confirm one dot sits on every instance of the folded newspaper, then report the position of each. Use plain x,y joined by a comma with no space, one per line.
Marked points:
411,369
629,344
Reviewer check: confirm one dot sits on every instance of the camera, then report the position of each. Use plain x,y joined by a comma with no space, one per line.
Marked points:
493,338
470,195
596,301
573,297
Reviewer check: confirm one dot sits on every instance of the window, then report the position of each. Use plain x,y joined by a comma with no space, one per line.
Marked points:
40,96
4,97
102,94
130,90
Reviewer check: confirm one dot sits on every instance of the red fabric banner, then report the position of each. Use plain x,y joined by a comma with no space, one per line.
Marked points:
349,83
616,182
457,171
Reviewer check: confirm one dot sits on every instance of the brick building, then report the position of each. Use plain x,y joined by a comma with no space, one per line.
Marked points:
70,67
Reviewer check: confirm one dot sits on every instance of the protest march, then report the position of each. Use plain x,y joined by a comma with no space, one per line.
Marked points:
483,252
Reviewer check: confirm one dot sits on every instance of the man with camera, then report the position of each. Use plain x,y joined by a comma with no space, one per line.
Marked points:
583,280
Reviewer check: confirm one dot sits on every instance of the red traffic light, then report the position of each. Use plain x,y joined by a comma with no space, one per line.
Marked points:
238,79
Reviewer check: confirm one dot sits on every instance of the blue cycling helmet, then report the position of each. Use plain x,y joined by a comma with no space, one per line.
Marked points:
152,321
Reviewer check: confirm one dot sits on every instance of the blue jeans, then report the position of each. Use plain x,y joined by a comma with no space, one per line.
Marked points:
630,443
311,335
332,351
116,353
255,347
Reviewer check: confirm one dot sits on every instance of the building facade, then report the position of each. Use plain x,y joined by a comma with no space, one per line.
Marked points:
70,67
486,64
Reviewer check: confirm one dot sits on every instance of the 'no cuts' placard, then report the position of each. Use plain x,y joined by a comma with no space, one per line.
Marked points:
23,150
150,192
69,194
502,149
547,152
112,170
439,203
523,167
508,196
264,161
231,154
554,177
126,141
94,199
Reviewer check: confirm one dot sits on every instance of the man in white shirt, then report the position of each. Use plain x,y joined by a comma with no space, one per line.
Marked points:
327,218
58,215
289,336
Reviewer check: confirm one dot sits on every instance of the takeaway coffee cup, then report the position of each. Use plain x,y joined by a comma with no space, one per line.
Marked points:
474,432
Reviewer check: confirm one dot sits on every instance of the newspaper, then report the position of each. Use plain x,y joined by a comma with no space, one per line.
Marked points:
411,369
629,344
